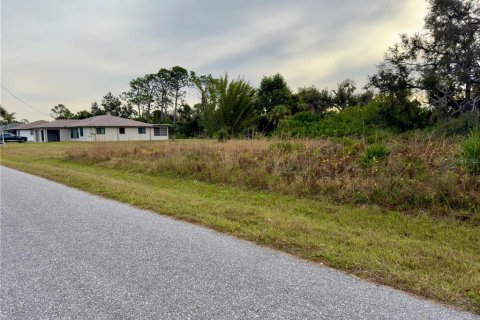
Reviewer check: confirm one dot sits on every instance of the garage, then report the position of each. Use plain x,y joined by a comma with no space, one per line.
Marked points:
53,135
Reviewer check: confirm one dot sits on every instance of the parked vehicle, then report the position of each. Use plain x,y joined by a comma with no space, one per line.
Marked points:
7,137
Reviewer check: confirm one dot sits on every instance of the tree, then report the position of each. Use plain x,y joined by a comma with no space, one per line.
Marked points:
6,117
231,106
179,79
142,94
84,114
441,62
163,91
345,94
95,110
316,101
61,112
278,113
273,91
201,83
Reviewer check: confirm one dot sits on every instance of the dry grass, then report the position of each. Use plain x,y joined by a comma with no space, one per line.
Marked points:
420,174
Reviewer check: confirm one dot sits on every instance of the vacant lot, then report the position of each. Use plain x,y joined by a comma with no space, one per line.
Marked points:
277,194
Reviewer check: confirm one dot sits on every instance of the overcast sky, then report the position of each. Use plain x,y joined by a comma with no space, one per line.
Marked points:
75,51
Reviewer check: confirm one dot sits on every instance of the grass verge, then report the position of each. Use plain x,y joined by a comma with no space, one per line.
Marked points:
435,258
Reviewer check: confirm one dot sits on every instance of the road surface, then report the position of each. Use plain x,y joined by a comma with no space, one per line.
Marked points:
66,254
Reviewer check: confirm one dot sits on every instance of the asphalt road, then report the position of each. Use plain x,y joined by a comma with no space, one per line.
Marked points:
66,254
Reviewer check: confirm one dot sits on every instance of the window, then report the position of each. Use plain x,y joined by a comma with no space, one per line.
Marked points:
121,130
142,130
81,132
100,130
32,132
160,131
74,133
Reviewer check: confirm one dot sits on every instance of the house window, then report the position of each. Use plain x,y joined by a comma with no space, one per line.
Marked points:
142,130
121,130
74,133
100,130
81,132
32,132
160,131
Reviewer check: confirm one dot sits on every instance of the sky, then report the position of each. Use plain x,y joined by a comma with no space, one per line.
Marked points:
73,52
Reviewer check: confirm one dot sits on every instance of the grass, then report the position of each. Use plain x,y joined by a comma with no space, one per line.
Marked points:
437,258
413,174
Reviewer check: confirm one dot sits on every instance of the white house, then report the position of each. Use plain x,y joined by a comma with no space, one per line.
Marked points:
26,129
99,128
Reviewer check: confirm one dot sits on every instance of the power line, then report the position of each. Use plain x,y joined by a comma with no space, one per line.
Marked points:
24,101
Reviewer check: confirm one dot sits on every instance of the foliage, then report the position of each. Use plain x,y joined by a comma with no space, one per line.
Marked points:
231,105
179,79
273,92
113,105
222,135
374,153
6,117
441,62
353,121
61,112
459,126
344,95
471,152
315,100
401,112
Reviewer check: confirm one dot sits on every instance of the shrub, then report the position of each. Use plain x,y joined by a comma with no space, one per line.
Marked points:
352,121
471,152
462,125
222,135
373,153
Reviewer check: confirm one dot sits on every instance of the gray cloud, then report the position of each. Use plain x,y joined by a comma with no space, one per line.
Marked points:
73,52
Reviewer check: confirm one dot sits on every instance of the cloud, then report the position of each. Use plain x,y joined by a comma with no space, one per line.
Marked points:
73,52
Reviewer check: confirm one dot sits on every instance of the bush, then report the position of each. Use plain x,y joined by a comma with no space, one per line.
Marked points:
352,121
373,153
222,135
462,125
471,152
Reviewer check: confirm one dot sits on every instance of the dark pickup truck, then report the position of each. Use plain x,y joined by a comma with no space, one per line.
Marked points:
7,137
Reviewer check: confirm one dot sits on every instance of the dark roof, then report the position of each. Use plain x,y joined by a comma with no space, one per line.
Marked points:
98,121
26,126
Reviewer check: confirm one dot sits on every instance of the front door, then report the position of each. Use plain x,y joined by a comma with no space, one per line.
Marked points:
43,135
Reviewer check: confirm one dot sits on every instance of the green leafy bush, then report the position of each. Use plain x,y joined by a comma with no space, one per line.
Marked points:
471,152
462,125
353,121
373,153
222,135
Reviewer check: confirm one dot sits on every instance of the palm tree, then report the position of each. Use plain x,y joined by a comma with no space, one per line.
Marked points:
231,106
6,117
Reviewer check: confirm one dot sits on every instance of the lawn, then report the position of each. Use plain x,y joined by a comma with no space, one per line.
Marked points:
437,257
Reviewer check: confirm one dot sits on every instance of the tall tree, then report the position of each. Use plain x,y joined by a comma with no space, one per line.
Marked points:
442,61
61,112
95,110
315,100
345,94
179,80
273,91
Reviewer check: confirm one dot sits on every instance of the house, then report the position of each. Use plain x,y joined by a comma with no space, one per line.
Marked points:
26,129
99,128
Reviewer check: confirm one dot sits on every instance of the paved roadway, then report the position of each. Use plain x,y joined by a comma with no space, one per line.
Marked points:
66,254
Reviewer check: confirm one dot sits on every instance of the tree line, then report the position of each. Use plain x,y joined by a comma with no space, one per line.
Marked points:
430,76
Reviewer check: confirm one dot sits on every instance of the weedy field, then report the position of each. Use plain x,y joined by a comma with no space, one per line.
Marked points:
412,174
402,212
